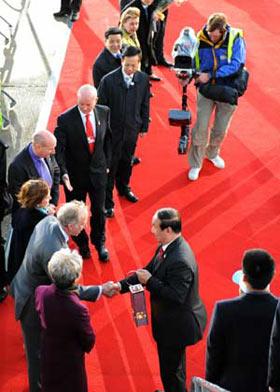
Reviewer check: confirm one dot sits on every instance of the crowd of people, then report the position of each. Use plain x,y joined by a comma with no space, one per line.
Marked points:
91,151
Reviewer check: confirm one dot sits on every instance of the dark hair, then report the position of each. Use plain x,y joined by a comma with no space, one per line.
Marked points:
169,217
32,193
113,31
217,21
258,267
131,51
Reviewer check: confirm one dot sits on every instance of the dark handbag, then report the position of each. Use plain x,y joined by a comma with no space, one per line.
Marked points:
219,93
240,82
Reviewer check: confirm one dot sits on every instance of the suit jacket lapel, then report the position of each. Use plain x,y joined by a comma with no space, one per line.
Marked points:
30,164
97,124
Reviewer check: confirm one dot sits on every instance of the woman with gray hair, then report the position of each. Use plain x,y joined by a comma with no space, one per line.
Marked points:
66,330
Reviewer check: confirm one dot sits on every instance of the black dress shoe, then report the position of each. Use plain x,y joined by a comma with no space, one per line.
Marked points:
103,253
135,161
165,63
61,13
155,78
74,16
3,294
129,195
85,252
109,213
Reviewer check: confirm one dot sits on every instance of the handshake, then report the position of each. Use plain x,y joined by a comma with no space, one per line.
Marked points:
110,288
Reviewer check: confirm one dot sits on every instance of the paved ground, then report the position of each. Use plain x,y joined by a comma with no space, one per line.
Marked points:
30,65
32,50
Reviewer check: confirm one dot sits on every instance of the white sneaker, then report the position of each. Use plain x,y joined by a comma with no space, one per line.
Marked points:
194,173
218,162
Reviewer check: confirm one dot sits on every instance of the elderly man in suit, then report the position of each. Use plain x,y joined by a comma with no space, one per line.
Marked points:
35,161
238,340
109,58
49,236
126,92
178,315
83,154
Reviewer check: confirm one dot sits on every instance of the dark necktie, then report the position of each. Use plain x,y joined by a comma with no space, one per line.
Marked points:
158,259
90,134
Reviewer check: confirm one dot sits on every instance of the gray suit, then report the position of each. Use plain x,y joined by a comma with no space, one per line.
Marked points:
46,239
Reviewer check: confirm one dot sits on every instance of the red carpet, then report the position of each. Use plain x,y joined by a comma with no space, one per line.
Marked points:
224,212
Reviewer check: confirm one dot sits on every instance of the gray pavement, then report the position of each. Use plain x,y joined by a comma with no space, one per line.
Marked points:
31,58
32,50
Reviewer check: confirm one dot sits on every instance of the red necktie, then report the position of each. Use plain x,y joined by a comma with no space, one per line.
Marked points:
160,254
90,134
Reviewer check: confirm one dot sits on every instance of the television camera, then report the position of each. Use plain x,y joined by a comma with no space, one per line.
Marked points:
184,50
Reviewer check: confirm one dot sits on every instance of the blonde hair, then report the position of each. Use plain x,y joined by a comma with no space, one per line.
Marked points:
129,13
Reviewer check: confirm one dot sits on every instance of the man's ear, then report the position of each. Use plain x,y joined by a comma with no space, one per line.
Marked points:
245,279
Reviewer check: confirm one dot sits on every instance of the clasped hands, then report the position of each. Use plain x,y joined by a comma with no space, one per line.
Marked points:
110,288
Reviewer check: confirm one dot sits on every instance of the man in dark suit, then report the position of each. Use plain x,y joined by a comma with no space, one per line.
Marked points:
84,154
35,161
126,92
178,314
238,340
274,354
110,57
49,236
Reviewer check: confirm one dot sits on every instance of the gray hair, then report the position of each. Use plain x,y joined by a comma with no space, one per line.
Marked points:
87,89
65,267
71,213
43,137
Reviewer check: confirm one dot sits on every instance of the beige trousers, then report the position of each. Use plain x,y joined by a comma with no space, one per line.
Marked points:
201,144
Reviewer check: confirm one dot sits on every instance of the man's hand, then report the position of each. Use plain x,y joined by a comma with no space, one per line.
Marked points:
67,182
204,77
143,275
51,209
109,289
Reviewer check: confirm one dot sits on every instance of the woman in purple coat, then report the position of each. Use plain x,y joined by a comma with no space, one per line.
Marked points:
66,330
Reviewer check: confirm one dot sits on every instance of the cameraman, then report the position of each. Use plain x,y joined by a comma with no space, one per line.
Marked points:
220,57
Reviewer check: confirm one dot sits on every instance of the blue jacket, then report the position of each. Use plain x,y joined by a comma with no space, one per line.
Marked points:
223,59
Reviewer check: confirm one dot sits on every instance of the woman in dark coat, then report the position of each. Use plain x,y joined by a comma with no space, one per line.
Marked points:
66,330
34,197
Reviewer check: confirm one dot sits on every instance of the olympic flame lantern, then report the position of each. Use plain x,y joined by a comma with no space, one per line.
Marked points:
138,304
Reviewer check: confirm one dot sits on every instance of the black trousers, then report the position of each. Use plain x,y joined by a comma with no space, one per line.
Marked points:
172,362
74,5
121,169
31,330
96,195
159,38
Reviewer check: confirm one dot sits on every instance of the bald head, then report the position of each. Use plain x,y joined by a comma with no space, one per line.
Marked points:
43,143
87,98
